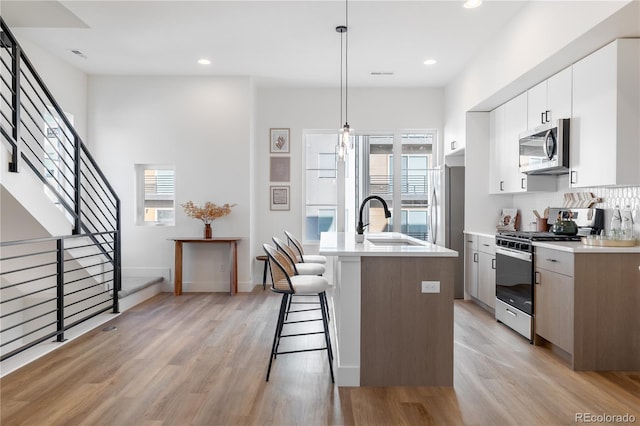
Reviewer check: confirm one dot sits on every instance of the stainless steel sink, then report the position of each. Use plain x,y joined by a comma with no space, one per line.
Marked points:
392,242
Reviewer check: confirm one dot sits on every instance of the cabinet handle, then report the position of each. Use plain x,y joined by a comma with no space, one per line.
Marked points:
551,260
501,185
546,116
538,278
453,145
475,257
574,176
542,118
493,264
522,183
510,312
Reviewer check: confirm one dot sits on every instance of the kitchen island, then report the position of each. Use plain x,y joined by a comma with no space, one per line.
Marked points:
393,310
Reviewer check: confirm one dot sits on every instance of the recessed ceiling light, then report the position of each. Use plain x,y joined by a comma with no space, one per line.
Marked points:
204,61
472,4
430,62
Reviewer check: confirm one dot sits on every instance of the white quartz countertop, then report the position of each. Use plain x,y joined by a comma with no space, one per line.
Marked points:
578,247
481,234
382,244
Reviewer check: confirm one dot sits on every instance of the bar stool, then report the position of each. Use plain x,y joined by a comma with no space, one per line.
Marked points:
301,268
285,281
310,258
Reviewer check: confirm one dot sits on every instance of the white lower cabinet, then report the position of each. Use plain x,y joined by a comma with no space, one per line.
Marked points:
480,269
471,265
487,279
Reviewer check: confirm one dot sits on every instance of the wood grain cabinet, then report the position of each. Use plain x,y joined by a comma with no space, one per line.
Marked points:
554,297
586,305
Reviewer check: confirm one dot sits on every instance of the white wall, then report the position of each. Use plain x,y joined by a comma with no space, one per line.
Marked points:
202,126
67,84
317,109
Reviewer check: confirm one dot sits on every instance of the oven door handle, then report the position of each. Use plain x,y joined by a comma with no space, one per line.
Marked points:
527,257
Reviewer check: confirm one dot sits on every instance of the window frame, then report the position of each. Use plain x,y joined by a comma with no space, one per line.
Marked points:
140,195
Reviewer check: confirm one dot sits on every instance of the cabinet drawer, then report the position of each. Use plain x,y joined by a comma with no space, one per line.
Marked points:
471,241
487,245
555,261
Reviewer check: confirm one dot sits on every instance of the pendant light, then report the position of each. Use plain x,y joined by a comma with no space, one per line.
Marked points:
344,137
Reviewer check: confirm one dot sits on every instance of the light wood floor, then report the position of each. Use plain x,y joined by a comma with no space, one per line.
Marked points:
200,359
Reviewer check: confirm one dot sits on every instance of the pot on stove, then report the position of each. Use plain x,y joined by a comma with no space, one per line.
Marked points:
564,227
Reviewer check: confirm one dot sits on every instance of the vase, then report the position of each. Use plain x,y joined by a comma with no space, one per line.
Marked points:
208,233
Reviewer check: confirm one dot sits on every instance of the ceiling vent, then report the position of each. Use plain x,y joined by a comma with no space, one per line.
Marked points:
78,53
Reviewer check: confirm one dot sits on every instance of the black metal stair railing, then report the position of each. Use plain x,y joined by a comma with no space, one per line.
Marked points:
43,142
50,285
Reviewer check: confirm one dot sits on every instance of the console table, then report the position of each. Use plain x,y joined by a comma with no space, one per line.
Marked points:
233,259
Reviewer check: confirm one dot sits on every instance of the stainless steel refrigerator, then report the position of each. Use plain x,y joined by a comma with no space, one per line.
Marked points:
446,216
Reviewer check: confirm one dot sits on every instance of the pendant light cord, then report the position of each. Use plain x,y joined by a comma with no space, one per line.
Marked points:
341,59
346,63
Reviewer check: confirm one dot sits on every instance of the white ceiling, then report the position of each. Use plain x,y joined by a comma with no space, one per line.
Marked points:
276,42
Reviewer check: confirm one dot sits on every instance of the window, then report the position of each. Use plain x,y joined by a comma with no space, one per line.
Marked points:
416,162
409,189
320,185
155,195
58,159
371,169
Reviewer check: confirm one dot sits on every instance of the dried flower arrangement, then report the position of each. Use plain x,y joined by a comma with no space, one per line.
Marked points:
207,213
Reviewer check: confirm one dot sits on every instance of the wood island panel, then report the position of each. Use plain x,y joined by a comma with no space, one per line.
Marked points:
406,335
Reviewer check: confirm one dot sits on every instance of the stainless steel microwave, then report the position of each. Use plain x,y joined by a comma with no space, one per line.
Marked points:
545,150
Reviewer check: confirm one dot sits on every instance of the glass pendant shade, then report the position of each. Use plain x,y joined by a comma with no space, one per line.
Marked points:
344,143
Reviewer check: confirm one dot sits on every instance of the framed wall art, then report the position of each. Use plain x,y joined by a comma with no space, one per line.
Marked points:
280,169
279,141
280,197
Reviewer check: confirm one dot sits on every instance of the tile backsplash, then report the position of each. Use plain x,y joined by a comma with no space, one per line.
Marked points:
611,197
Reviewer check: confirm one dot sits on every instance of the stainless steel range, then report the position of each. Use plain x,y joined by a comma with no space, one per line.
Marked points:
515,277
515,269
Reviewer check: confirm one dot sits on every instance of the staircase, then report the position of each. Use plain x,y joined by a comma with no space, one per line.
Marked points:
60,243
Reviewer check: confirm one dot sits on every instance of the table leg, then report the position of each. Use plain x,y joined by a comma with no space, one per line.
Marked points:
177,280
234,269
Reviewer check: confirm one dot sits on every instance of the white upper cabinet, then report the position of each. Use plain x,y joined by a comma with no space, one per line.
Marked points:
506,123
496,146
550,100
515,120
605,126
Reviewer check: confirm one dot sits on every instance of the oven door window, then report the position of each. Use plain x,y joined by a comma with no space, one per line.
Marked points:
514,282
